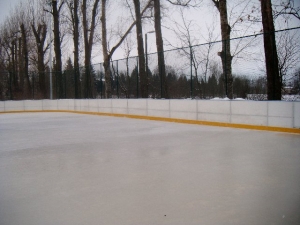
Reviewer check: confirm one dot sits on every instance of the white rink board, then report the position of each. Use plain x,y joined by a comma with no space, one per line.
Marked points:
264,113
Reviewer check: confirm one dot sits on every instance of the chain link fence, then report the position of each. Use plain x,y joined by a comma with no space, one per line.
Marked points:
192,72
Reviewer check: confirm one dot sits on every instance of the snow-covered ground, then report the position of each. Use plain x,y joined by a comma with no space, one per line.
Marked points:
71,169
262,97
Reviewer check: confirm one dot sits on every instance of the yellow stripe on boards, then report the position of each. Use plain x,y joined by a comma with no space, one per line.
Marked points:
195,122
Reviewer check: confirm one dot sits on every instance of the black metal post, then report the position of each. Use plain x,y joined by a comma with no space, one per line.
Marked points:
146,52
32,86
118,79
137,77
101,84
10,86
65,84
191,65
161,78
225,66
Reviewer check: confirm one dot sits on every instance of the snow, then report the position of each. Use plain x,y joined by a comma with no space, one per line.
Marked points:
221,99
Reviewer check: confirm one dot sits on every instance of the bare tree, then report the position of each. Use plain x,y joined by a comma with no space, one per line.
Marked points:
88,35
40,36
286,8
288,54
9,44
73,7
57,43
160,49
273,77
25,55
207,54
187,3
107,55
23,50
127,47
140,44
39,29
183,32
225,54
15,36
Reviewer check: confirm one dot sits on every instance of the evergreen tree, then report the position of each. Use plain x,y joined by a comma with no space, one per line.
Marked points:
212,86
69,80
134,83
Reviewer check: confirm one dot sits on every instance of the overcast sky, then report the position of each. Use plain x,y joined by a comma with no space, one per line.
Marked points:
207,16
5,6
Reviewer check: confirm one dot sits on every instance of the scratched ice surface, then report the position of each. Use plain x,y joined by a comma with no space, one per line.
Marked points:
71,169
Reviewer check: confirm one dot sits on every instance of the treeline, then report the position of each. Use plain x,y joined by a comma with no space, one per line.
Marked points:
126,84
37,33
27,35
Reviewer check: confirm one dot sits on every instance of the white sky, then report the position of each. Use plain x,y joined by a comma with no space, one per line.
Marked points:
202,18
5,6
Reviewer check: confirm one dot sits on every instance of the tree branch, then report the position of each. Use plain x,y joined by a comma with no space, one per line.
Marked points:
216,2
128,30
61,5
46,10
180,2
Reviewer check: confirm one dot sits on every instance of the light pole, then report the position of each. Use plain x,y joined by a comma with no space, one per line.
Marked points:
146,52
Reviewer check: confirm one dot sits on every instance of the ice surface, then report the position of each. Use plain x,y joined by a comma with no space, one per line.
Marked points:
72,169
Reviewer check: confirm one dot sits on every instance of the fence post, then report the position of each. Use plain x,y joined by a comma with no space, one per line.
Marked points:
33,86
161,76
118,78
65,80
57,84
101,84
75,82
50,77
225,66
10,87
191,65
137,77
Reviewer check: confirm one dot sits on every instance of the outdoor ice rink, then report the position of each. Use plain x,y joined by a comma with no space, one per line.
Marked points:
75,169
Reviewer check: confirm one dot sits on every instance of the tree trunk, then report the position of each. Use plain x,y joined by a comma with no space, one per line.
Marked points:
225,54
25,58
88,45
106,56
273,77
16,74
40,37
13,67
76,47
73,8
21,66
160,49
57,49
86,52
140,43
